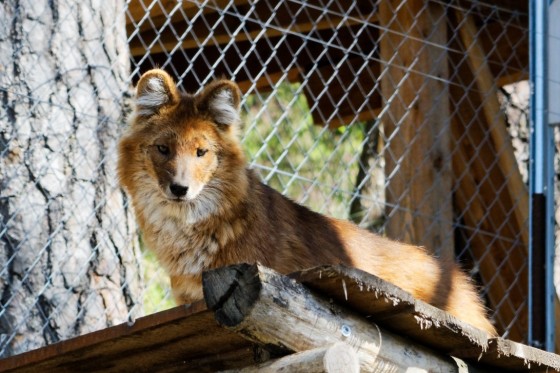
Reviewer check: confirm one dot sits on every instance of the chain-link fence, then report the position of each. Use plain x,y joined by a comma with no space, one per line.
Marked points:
407,117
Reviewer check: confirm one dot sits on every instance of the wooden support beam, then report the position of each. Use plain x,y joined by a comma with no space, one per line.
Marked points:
338,358
279,313
484,209
202,36
489,191
416,123
495,120
474,212
483,205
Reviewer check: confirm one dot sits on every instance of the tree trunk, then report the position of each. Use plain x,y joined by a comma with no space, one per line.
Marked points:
68,247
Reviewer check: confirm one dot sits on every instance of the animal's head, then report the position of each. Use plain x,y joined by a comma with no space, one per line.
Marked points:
178,143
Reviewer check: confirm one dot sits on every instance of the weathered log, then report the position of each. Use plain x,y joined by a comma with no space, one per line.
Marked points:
279,313
338,358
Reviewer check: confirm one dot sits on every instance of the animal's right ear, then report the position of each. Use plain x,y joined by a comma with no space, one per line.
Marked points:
154,91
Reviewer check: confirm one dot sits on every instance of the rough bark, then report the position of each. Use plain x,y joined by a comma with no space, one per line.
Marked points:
68,260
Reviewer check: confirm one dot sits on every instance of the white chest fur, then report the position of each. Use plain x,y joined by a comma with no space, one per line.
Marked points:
178,240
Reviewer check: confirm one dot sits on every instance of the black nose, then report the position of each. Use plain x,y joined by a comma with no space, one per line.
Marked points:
178,190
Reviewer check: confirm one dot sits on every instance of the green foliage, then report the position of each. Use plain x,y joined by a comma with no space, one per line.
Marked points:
309,163
156,284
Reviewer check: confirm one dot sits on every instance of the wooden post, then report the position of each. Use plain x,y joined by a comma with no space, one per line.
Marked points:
279,313
413,38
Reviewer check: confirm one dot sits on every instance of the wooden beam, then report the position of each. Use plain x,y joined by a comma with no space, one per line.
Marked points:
474,209
490,192
513,357
137,9
338,358
369,295
416,123
278,312
495,120
484,207
167,38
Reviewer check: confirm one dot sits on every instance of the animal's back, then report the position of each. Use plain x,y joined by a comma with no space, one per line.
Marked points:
302,239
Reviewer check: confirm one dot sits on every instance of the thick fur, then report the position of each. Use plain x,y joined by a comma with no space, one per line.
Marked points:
199,207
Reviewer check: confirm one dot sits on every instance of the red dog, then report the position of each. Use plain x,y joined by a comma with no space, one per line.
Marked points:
199,207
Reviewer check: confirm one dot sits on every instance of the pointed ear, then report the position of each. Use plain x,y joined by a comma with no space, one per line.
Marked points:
154,91
221,100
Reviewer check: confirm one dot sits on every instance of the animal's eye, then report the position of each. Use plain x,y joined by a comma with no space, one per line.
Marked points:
201,152
164,150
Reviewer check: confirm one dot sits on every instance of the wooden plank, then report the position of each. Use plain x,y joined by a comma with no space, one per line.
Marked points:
392,308
275,311
168,38
512,356
216,29
247,54
338,358
184,338
416,122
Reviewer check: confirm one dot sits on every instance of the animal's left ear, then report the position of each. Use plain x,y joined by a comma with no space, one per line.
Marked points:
154,92
221,100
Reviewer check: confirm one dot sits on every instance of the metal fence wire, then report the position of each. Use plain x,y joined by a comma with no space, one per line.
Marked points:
408,117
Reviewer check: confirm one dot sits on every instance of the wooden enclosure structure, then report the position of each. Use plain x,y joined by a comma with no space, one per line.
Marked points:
259,320
471,152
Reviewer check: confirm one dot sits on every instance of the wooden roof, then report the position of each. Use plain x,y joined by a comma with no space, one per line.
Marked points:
188,338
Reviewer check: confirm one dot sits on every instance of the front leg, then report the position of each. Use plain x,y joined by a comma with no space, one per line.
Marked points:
186,289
